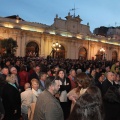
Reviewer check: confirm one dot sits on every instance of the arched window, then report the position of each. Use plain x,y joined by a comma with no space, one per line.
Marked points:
82,54
58,52
114,56
32,49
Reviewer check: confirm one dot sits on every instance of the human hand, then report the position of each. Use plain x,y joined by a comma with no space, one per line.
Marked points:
15,111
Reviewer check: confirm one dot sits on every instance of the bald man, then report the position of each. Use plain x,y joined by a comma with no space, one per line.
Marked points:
26,100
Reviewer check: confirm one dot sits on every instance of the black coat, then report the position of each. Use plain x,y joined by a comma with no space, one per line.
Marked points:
11,102
111,102
34,75
2,111
105,85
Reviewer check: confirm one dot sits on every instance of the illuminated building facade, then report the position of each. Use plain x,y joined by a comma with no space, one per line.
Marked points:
74,39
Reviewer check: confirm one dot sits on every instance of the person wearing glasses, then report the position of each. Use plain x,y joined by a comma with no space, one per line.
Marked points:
47,106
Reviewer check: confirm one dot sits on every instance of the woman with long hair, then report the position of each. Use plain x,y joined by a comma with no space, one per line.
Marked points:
64,89
83,81
88,106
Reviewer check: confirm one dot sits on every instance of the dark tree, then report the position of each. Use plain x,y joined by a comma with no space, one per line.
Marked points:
10,45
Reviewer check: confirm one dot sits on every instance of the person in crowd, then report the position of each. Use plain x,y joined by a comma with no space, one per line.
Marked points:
65,87
92,75
55,70
8,64
35,89
88,106
43,77
107,69
117,70
78,71
3,74
2,111
114,66
49,73
47,106
13,70
35,93
83,82
108,82
72,75
88,69
17,65
111,100
26,100
11,99
23,74
36,73
117,80
100,81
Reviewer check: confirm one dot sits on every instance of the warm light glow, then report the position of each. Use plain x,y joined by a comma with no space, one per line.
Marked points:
57,43
8,25
102,50
52,32
17,20
53,45
25,28
56,46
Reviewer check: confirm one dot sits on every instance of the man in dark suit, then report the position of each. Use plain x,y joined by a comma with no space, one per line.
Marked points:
111,98
108,82
43,77
36,73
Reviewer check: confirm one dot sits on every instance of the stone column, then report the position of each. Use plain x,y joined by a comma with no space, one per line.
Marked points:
42,46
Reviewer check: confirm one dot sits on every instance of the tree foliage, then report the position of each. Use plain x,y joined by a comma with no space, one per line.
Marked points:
10,45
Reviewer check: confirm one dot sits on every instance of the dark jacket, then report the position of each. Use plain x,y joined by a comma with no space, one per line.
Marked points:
2,111
105,85
111,102
11,101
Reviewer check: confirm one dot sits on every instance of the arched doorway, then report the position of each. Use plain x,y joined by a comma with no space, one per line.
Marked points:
101,54
82,54
32,49
58,52
61,52
114,56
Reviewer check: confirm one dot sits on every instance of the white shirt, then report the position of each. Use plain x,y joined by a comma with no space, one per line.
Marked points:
26,100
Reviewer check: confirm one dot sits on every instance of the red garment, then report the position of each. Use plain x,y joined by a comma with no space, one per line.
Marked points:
23,77
73,84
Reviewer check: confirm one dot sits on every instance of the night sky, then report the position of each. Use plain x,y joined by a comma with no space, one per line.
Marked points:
96,12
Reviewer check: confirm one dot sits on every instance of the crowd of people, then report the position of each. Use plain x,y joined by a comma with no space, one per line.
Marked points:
59,89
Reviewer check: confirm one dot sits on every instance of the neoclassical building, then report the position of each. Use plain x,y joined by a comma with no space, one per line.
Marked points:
65,38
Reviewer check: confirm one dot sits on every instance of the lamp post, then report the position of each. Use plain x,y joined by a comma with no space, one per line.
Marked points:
102,50
55,48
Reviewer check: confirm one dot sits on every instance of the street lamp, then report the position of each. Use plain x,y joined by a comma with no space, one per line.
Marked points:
55,47
102,50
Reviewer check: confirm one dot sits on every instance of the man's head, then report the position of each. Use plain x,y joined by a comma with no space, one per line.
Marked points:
17,62
72,73
43,76
26,86
7,63
110,76
52,85
13,70
37,69
107,69
117,63
5,71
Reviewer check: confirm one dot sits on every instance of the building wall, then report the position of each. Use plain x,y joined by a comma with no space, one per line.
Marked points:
45,40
